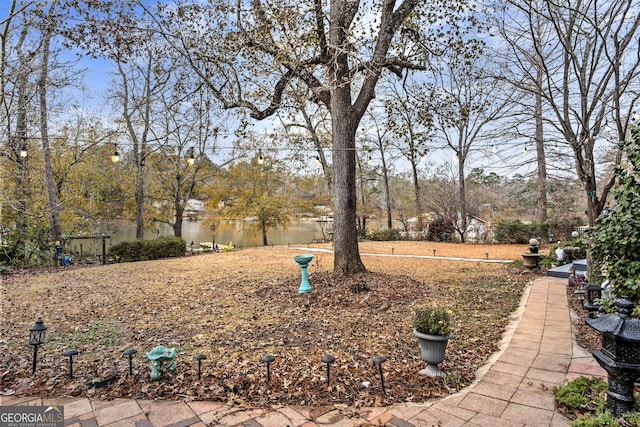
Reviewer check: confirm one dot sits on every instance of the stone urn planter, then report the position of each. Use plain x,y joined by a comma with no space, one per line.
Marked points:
532,259
432,349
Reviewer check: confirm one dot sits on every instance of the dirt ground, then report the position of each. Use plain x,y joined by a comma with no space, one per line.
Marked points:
235,307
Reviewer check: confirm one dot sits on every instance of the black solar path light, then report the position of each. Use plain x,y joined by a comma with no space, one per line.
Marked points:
379,360
70,353
267,359
199,357
328,359
130,352
37,333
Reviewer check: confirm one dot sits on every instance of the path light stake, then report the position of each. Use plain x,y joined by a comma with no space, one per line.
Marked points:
267,359
486,255
434,252
130,352
70,353
392,250
379,360
328,359
199,357
37,333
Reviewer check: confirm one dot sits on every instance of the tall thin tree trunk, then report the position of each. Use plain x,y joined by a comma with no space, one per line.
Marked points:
416,192
387,193
541,158
139,202
462,195
52,194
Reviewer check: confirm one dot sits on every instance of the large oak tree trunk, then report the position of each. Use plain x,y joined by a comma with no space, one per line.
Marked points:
344,124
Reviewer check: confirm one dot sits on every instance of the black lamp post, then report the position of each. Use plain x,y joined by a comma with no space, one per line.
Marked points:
37,333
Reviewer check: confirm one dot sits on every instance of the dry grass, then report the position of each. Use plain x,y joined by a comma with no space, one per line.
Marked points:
238,305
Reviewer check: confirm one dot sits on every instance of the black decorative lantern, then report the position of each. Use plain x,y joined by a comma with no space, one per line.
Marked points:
37,333
593,294
619,355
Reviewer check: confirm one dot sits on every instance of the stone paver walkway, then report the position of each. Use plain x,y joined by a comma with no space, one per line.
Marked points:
513,389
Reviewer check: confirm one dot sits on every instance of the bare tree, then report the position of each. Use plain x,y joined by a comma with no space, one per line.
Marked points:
185,130
410,119
254,51
381,140
18,58
468,103
588,55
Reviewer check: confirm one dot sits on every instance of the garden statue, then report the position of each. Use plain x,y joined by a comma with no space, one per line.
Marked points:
161,358
559,253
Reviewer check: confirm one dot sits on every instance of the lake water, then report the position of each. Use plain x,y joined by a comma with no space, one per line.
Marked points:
298,232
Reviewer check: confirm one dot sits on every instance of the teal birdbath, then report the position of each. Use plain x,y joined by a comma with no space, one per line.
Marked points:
304,261
161,358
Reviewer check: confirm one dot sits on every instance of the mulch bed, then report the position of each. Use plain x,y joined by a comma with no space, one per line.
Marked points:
586,337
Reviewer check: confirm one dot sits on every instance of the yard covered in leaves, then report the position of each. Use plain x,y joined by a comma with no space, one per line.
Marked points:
235,307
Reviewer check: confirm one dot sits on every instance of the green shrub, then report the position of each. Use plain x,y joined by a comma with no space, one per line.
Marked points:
584,398
440,230
581,393
384,235
140,250
28,247
615,239
603,419
517,232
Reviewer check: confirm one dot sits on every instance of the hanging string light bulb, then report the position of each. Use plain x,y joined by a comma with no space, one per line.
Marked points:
494,150
525,151
115,157
191,160
260,157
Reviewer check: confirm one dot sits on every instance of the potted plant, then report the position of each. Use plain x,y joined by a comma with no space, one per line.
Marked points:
432,327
